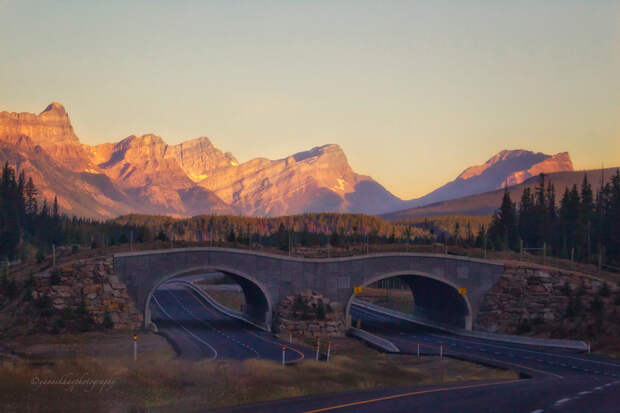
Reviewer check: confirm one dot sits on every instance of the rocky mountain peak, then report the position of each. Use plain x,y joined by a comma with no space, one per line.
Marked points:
141,147
145,140
317,151
559,162
517,159
508,167
54,109
51,126
198,157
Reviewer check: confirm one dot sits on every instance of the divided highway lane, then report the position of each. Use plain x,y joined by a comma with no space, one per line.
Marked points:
198,330
560,381
531,360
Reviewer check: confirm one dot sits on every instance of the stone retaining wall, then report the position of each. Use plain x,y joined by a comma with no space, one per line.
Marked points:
299,316
89,285
527,298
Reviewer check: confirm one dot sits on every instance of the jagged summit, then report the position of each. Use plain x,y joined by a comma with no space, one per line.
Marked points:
513,156
318,151
51,127
54,108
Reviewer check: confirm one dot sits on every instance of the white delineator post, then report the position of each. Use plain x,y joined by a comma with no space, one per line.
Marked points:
329,349
318,346
283,355
135,348
418,351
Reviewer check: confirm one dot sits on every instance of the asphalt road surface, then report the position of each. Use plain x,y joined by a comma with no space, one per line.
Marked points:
554,380
198,330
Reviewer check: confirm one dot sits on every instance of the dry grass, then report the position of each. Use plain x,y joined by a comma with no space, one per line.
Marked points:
231,299
163,382
395,299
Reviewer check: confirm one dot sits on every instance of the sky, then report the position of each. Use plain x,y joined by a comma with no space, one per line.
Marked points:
413,91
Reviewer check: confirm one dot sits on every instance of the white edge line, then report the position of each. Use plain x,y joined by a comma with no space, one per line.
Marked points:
186,330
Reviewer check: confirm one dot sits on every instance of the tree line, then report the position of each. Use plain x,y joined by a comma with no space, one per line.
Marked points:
581,225
30,226
311,229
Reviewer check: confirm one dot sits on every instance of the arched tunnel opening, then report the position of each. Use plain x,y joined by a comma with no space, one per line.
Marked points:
215,296
424,298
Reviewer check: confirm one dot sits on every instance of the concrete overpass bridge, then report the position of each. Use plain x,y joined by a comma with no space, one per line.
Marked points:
434,279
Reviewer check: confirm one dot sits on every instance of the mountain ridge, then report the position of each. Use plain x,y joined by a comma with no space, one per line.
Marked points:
508,167
144,174
488,202
150,176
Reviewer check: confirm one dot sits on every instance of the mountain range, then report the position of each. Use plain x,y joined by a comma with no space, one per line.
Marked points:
487,202
144,174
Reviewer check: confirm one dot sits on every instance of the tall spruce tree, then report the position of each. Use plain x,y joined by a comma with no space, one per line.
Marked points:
503,231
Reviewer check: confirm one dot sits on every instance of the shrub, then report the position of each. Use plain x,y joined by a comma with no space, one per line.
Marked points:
44,304
107,321
298,306
565,289
161,236
524,326
55,276
40,257
11,289
596,306
574,307
67,314
329,308
320,310
604,291
58,326
28,293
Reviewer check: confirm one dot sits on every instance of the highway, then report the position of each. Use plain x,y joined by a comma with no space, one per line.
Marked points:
528,359
197,330
553,380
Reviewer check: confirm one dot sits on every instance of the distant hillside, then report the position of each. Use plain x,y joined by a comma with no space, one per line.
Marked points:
488,202
508,167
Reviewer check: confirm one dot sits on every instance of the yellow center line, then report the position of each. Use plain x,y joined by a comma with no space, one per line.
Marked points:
400,395
210,310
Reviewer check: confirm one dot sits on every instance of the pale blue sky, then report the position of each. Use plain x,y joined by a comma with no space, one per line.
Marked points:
414,92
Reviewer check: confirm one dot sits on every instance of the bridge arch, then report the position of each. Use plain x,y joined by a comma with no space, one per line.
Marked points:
258,302
437,296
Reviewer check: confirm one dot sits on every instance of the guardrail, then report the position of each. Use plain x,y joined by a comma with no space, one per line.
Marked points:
219,307
530,341
376,341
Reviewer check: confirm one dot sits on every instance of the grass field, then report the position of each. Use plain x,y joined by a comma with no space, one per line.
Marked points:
395,299
99,374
